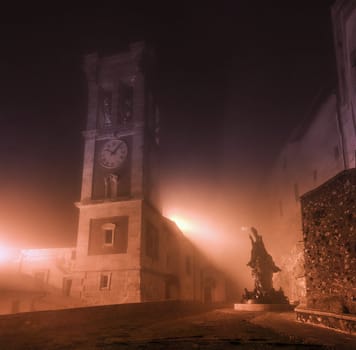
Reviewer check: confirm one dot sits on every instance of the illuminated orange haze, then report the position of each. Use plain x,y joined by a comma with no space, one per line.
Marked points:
229,251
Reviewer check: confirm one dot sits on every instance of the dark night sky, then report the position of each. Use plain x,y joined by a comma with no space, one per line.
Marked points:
234,79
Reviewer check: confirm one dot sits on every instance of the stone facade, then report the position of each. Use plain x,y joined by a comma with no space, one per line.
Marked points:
329,230
122,269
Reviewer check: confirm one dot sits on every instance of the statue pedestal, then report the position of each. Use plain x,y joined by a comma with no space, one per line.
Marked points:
263,307
270,300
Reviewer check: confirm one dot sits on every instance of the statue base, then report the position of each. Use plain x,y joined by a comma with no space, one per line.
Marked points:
263,307
271,300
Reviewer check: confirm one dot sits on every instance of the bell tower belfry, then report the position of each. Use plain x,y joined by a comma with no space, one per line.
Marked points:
119,175
121,119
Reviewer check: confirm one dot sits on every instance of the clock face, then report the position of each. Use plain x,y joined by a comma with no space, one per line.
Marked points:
113,153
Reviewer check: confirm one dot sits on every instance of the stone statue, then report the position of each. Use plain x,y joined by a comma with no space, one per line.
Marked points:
262,264
107,110
111,186
263,268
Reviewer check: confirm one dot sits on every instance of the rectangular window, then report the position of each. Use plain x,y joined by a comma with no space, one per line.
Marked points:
280,208
41,276
353,58
315,176
284,163
109,236
125,103
152,242
109,233
105,281
188,265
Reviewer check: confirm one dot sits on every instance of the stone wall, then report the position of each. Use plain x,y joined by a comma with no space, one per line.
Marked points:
329,230
341,322
292,277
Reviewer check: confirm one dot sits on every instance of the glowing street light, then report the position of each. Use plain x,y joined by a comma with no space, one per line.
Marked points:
183,224
7,254
196,228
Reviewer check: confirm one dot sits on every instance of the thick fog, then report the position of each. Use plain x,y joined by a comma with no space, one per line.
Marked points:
232,83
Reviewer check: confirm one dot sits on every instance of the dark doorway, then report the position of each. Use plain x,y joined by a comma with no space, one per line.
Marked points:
208,298
172,288
67,286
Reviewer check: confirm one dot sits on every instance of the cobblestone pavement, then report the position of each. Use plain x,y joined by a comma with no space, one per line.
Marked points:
215,329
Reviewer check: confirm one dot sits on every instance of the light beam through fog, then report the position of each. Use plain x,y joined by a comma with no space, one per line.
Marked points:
215,228
215,208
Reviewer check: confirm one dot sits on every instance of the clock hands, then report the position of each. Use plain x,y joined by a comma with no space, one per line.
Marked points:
113,154
115,149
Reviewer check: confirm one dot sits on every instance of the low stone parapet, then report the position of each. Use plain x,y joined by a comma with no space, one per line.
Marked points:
341,322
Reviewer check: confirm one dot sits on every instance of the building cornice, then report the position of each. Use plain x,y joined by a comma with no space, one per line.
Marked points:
90,203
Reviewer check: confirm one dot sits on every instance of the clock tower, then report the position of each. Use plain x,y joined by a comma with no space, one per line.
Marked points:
119,177
127,252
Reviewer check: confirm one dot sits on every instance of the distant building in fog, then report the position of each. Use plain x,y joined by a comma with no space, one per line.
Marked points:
126,251
344,24
312,155
322,146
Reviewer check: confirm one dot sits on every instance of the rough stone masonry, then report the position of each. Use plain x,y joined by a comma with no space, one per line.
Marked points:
329,230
